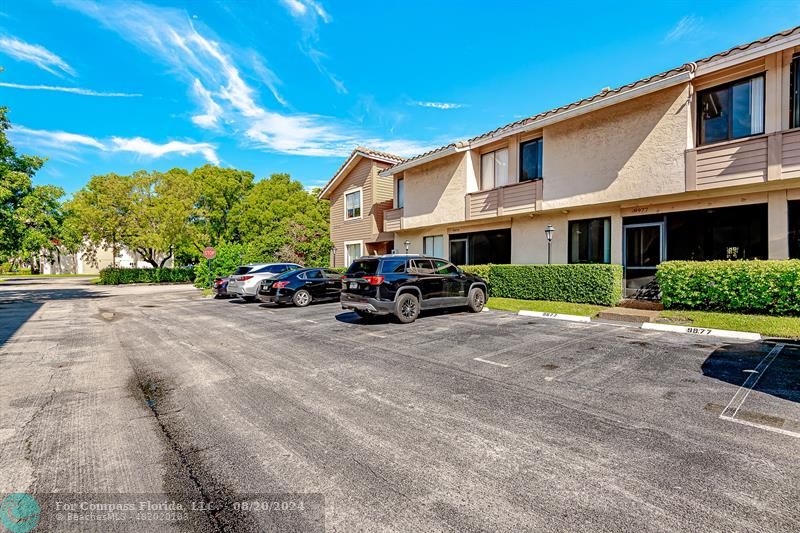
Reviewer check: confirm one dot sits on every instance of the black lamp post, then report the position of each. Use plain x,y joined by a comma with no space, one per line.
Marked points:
548,232
407,243
333,261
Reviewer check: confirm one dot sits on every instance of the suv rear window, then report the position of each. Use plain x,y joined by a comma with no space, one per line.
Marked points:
393,266
363,266
242,271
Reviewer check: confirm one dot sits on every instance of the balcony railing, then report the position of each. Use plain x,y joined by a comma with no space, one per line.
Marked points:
509,200
393,219
744,161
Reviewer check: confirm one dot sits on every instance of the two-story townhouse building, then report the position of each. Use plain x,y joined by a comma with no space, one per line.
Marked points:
699,162
358,197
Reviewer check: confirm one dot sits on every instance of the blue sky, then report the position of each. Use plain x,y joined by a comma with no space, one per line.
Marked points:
293,85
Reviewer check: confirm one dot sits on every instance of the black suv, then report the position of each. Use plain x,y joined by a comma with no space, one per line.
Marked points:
403,285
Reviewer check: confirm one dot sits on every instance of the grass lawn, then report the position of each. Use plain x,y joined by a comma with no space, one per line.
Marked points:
566,308
769,326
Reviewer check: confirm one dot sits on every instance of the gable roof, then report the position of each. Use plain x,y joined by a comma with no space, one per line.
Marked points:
608,97
355,156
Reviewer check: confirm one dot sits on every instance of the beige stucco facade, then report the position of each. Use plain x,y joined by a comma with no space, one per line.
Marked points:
631,159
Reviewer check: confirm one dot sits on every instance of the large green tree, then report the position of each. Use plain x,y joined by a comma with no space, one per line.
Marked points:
219,192
30,215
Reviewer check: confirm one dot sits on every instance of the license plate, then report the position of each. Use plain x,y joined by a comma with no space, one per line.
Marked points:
353,285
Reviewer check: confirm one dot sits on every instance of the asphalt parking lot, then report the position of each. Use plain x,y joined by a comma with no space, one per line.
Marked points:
457,422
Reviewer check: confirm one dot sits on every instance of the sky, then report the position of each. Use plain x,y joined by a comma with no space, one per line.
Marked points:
294,85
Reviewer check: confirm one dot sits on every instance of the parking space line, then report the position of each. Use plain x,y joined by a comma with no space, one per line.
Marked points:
489,362
752,380
761,426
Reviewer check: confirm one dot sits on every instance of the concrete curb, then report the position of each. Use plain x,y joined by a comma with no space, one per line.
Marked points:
555,316
691,330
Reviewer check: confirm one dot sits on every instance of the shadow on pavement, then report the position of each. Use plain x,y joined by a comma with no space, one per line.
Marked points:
731,363
17,306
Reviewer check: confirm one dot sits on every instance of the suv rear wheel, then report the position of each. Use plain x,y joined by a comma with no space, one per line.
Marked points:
476,300
407,308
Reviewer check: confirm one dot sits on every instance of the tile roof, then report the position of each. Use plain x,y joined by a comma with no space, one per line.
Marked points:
688,67
360,150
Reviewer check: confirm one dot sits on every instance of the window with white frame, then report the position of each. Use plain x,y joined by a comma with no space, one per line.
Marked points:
352,204
494,169
433,245
352,251
401,193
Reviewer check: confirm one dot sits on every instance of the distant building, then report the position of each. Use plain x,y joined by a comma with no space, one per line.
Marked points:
63,262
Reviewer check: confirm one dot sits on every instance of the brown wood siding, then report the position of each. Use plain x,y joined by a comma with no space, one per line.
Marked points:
508,200
790,154
738,163
393,219
352,230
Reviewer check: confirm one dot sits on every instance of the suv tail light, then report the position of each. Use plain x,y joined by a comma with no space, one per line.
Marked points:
373,280
280,284
245,278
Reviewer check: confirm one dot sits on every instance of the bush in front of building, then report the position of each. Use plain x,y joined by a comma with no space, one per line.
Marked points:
765,287
598,284
120,276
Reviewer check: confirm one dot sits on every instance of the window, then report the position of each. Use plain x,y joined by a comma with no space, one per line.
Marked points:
352,251
590,241
726,233
393,266
313,274
732,111
433,245
401,193
364,266
422,266
530,160
331,274
481,247
352,204
794,229
443,268
794,93
494,169
277,269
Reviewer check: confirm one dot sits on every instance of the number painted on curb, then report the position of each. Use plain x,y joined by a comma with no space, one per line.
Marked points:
699,331
550,315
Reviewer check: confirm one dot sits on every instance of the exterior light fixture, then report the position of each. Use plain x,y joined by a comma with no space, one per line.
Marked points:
548,232
407,243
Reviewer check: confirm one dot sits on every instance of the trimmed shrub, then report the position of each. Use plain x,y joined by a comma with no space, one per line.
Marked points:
120,276
591,284
766,287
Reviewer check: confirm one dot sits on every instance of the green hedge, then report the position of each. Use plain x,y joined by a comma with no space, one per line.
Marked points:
119,276
591,284
766,287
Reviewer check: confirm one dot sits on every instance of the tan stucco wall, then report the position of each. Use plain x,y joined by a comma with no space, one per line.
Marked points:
434,193
631,150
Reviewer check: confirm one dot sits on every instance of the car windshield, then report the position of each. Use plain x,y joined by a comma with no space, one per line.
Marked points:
364,266
242,270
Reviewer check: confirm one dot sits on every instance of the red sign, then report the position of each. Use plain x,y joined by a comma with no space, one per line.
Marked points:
209,253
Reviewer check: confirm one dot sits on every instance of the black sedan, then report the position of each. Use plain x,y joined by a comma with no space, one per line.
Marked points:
301,287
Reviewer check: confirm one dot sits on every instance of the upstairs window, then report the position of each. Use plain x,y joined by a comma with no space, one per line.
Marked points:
530,160
401,193
732,111
494,169
794,93
352,205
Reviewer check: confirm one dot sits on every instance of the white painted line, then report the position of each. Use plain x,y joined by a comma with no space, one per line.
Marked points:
762,426
490,362
555,316
752,380
485,309
744,335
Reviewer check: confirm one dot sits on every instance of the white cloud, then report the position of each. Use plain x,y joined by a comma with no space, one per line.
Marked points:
212,111
216,82
686,26
141,146
295,7
73,90
67,144
38,55
439,105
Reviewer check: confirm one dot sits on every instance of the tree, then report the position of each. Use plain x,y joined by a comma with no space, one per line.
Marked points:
219,191
40,216
283,220
103,213
16,184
